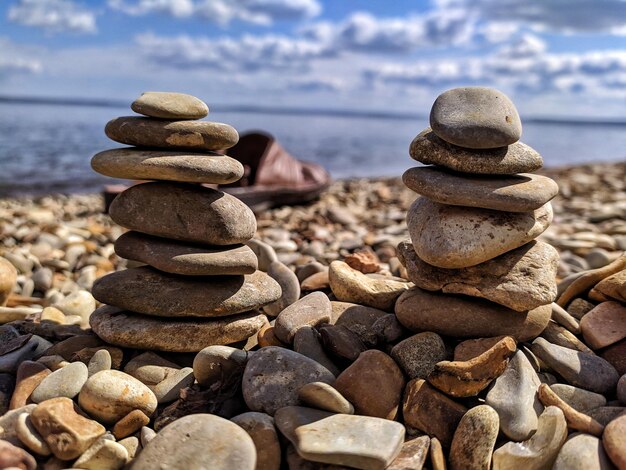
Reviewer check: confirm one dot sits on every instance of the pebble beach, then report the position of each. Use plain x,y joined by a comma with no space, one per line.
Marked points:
333,336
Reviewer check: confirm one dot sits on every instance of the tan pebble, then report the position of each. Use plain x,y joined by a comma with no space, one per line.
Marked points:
130,423
29,436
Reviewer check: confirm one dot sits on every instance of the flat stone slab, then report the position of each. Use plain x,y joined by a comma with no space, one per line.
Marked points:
458,237
467,317
155,293
150,132
140,164
168,105
517,193
186,258
131,330
476,117
185,212
516,158
521,279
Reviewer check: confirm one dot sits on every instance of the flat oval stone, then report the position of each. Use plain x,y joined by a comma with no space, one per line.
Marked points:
467,317
604,325
261,429
517,158
111,394
149,132
273,376
139,164
474,439
580,369
521,279
199,441
310,310
146,290
582,452
458,237
517,193
514,397
186,259
614,441
418,354
289,285
322,396
169,105
130,330
184,212
476,117
540,450
65,382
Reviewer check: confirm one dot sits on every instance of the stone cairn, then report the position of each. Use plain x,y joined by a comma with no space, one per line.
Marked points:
199,285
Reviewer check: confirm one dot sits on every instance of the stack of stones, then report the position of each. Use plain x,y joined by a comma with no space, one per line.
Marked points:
199,285
473,232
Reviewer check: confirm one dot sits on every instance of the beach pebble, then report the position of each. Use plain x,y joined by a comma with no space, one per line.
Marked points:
605,414
146,434
521,279
578,308
67,432
8,279
582,370
516,158
65,382
260,427
476,117
29,376
273,376
322,396
103,454
169,388
469,232
218,364
604,325
130,424
540,451
110,395
582,452
8,424
466,317
350,285
12,457
100,361
412,454
54,315
289,285
355,384
556,334
169,105
514,397
342,343
616,356
614,441
29,436
79,303
130,330
613,286
308,343
183,258
184,212
199,441
418,354
264,252
155,293
359,319
519,193
150,132
474,439
578,398
132,446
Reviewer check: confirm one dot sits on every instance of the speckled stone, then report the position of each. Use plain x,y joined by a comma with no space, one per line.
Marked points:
169,105
311,310
218,363
474,439
418,354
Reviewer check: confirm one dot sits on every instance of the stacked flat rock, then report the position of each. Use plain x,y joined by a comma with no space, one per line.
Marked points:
474,229
197,282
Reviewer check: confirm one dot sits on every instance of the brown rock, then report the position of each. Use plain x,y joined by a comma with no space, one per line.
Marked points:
12,457
412,455
467,317
575,419
85,355
468,378
186,258
471,348
364,261
311,310
614,441
556,334
418,354
149,132
130,330
616,356
67,433
357,318
521,279
155,293
317,281
185,212
604,325
373,384
437,459
341,342
8,279
29,376
261,429
130,424
168,105
613,286
267,337
70,346
308,343
430,411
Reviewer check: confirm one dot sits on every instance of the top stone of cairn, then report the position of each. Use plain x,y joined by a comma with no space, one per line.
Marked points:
476,118
165,105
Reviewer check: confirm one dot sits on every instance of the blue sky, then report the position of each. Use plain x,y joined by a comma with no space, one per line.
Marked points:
553,57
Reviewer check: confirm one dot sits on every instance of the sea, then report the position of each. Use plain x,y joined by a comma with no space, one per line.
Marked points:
45,148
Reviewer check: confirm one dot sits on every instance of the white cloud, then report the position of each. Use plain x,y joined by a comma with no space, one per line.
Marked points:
16,60
263,12
53,16
316,84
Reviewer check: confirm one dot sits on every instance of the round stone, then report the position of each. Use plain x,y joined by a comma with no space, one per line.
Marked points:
418,354
614,441
184,212
517,193
475,438
199,441
476,117
466,317
149,132
516,158
130,330
186,259
140,164
169,105
146,290
110,395
311,310
217,363
582,452
65,382
8,279
458,237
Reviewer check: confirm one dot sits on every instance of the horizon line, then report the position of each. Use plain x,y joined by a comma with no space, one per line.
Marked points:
286,110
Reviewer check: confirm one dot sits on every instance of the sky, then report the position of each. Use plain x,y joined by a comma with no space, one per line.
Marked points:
554,58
